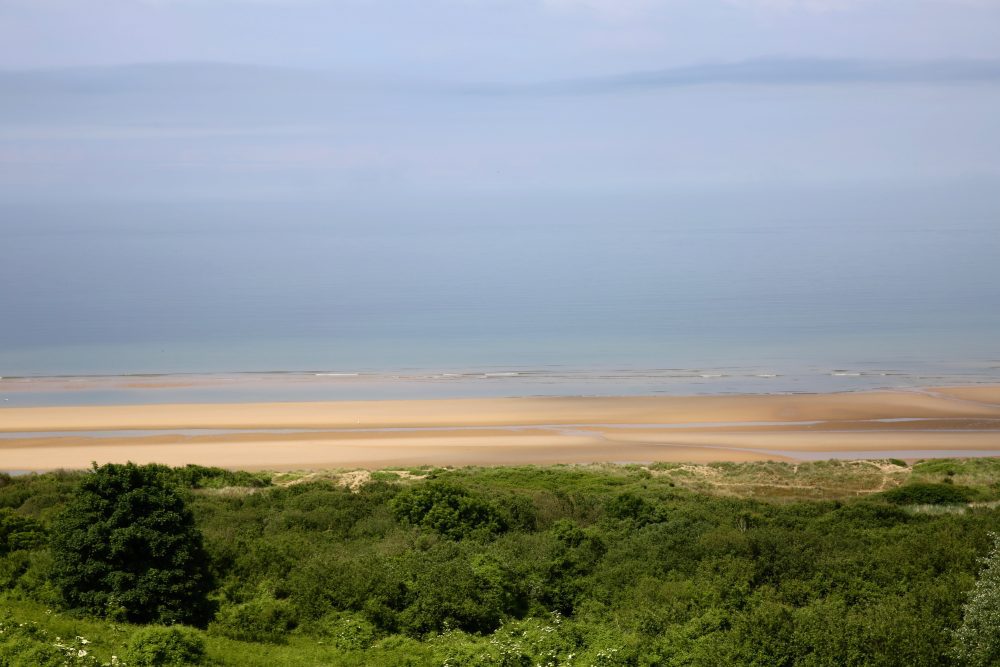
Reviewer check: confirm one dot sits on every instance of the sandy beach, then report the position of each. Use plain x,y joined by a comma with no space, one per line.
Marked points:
959,421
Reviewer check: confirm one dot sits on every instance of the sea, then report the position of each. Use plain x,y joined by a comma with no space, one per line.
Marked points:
493,295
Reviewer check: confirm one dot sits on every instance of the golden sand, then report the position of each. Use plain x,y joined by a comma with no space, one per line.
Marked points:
507,431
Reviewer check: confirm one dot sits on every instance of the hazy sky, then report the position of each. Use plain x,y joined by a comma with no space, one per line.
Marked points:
487,39
456,96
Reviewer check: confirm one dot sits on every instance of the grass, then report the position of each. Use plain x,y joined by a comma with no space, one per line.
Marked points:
767,480
105,640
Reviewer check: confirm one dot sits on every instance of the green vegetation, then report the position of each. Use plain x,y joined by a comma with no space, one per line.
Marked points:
827,563
922,493
978,640
126,547
161,647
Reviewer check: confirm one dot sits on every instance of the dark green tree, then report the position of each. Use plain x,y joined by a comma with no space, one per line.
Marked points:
126,547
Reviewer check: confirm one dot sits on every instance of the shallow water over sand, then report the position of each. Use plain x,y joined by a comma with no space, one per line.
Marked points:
312,386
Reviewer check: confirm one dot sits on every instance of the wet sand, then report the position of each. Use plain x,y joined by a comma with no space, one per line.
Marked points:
509,431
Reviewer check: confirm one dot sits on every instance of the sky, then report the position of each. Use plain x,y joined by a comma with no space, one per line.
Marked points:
280,99
489,39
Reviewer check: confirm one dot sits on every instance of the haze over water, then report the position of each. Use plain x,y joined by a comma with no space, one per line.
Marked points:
540,197
599,295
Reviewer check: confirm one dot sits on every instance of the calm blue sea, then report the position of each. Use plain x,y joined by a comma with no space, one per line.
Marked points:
500,296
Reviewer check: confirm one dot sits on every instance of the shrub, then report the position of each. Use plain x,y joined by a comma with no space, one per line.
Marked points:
17,532
259,620
165,647
27,644
446,588
575,554
631,507
348,632
929,494
870,514
450,510
201,477
126,547
978,639
519,512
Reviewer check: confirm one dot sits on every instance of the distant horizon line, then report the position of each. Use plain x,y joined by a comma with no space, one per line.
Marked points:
762,71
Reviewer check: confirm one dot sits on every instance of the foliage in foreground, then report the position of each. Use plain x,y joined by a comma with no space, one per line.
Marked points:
610,565
126,547
978,637
165,647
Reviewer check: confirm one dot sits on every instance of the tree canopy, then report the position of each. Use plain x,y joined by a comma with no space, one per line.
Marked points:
126,547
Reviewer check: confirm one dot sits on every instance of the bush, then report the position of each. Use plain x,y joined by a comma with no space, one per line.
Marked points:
448,509
17,532
446,589
869,513
348,632
929,494
259,620
978,639
575,553
165,647
126,547
27,644
201,477
630,507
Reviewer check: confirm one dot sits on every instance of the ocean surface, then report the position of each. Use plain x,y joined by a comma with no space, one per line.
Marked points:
142,302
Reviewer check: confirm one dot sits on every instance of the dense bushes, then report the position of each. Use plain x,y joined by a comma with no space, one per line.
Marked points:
635,508
509,566
450,510
929,494
263,619
27,644
979,636
200,477
348,632
165,647
19,532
